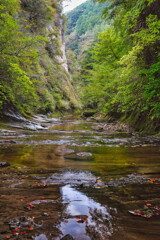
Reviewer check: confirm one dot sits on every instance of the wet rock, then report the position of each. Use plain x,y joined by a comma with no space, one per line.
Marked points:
28,125
10,112
112,127
131,179
72,177
37,202
8,142
62,151
22,221
41,237
88,114
82,156
67,237
5,132
4,164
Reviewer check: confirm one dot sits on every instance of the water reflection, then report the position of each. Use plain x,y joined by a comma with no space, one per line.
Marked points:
85,219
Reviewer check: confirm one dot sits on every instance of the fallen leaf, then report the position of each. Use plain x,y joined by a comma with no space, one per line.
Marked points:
85,220
16,230
42,197
15,233
30,228
80,221
99,180
153,180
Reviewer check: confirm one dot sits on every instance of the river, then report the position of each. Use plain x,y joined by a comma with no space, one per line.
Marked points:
71,179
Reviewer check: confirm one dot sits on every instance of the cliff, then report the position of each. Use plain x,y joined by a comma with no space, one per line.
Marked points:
34,76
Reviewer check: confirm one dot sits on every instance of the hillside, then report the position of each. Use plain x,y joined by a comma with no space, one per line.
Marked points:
83,23
34,74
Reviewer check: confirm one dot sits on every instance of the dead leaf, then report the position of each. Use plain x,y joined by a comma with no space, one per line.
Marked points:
31,228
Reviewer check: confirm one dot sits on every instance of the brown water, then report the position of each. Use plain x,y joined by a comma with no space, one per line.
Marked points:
69,201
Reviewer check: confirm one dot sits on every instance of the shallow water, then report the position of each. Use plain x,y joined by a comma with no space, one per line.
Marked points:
75,202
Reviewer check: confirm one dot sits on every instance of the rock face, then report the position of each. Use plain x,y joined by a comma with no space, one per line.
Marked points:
54,64
44,20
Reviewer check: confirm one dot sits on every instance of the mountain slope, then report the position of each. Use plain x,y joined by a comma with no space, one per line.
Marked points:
84,22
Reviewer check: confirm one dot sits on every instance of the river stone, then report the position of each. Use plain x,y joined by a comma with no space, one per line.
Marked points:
82,156
4,164
67,237
62,151
88,114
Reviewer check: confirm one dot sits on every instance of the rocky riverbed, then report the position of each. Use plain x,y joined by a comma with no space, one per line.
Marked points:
72,180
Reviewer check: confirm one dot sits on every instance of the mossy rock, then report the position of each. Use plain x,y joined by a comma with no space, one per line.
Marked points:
89,113
82,156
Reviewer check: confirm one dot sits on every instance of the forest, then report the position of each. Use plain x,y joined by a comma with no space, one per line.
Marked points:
119,74
80,120
122,76
112,53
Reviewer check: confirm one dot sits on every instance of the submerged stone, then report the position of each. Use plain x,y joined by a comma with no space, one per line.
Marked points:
62,151
67,237
82,156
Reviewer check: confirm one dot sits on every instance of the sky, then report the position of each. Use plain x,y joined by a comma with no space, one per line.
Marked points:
71,4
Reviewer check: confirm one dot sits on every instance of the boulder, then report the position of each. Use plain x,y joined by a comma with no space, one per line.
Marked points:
88,113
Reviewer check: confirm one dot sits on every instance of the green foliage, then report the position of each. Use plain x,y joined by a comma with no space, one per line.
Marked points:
18,53
152,89
30,48
83,24
123,78
39,12
84,17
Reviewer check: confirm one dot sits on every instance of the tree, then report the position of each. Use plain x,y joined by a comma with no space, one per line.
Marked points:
126,66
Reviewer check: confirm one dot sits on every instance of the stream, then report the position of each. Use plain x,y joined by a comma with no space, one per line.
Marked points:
69,181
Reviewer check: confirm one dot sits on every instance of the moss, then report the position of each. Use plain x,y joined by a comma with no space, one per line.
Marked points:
141,123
